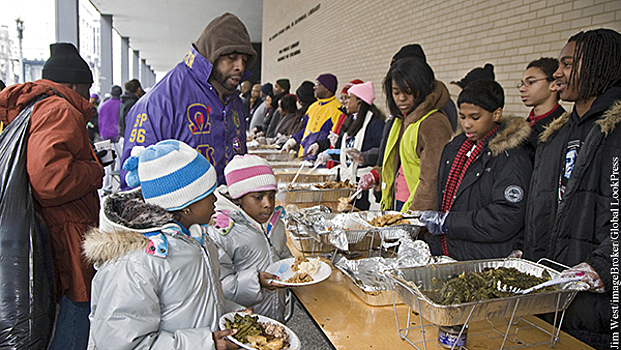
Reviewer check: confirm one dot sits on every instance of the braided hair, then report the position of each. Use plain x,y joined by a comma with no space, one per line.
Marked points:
598,54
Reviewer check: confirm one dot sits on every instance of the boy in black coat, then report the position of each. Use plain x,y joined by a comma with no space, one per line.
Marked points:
572,215
482,181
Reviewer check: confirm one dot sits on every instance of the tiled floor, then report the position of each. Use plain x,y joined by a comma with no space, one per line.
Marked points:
311,338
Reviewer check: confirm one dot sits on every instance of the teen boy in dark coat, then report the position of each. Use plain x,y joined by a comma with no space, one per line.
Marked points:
573,205
482,181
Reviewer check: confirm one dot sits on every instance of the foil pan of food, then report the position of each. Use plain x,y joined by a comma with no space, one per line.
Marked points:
316,229
306,228
287,164
285,175
313,192
366,277
392,225
428,288
272,154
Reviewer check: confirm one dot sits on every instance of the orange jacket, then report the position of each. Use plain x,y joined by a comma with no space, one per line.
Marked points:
64,175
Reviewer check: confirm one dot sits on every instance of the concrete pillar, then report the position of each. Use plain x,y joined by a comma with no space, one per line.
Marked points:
143,72
136,65
105,70
67,22
124,59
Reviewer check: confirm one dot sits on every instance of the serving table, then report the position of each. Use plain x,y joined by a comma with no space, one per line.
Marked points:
350,324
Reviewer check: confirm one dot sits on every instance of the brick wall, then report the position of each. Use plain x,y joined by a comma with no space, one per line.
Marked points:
356,39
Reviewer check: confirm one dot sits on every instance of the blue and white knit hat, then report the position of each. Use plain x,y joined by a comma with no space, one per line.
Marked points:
171,174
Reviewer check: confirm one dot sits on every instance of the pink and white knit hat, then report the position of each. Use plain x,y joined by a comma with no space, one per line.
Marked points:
249,173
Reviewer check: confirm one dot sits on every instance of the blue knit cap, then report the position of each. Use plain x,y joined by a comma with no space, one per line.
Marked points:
171,174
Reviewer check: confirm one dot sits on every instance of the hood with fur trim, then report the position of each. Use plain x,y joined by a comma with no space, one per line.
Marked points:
515,131
607,123
124,218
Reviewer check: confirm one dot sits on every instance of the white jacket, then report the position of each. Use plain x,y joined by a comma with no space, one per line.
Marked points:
160,292
246,248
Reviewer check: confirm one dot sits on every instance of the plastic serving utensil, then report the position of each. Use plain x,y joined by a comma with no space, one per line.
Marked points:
562,279
283,267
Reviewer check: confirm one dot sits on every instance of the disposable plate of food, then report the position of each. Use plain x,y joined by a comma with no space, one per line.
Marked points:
296,272
256,332
424,289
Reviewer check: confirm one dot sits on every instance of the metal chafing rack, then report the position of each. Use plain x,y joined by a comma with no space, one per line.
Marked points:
414,284
317,230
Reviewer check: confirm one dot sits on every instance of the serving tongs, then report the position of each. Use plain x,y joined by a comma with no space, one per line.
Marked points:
561,279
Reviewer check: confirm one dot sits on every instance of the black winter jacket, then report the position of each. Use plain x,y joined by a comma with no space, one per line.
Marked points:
487,215
582,227
128,100
539,127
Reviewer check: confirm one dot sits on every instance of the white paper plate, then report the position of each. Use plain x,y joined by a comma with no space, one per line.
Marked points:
322,274
294,341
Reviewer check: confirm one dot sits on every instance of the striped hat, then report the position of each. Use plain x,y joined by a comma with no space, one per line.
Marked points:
249,173
171,174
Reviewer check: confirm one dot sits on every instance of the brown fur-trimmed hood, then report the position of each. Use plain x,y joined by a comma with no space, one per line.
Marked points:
607,123
515,131
123,219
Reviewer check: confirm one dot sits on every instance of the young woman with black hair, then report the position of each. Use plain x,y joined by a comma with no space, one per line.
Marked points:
409,172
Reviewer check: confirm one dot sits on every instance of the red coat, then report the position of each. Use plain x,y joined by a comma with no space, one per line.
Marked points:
64,175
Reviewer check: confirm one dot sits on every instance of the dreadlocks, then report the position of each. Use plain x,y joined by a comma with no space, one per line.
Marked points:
598,52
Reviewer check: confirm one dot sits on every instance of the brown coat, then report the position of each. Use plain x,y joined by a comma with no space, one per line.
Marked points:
63,173
433,134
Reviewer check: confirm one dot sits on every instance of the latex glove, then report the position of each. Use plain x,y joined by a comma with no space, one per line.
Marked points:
516,254
312,150
333,138
102,154
355,155
322,159
280,138
289,145
590,277
367,181
261,140
434,220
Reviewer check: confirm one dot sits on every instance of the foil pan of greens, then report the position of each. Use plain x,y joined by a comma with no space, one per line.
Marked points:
447,294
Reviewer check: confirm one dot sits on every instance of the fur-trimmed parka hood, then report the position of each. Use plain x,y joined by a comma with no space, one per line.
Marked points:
124,217
607,123
514,132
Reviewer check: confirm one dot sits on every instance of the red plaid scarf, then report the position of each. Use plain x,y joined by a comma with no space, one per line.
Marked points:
456,174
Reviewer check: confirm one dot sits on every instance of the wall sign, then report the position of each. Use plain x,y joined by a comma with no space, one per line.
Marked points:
296,21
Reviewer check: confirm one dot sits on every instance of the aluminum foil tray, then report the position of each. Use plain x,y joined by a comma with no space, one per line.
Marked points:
306,176
272,155
393,232
311,194
364,279
310,231
311,245
289,164
413,283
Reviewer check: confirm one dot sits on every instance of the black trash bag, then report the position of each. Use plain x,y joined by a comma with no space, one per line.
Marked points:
27,304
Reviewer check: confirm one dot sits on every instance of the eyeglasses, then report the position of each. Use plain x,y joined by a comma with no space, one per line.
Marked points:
528,82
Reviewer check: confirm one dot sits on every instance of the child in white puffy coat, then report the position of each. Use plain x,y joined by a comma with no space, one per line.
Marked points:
250,236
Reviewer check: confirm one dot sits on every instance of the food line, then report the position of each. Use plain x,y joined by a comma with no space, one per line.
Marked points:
350,323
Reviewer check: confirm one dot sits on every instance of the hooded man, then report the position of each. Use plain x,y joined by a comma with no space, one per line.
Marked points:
64,176
197,102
